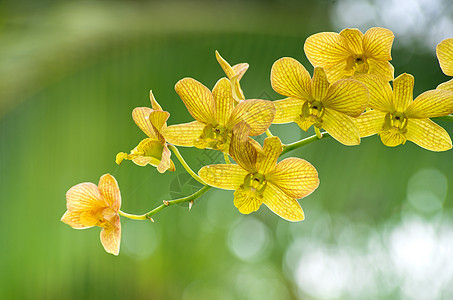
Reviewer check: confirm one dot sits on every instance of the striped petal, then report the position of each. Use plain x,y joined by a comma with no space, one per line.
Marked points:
258,114
224,102
341,127
197,98
392,137
294,176
184,134
246,203
446,85
430,104
158,121
165,162
108,187
240,69
353,39
84,196
111,237
73,219
347,96
326,49
287,110
337,71
227,177
370,122
444,51
428,135
320,84
290,78
403,91
380,92
154,104
225,65
281,204
378,42
267,160
141,118
383,69
241,150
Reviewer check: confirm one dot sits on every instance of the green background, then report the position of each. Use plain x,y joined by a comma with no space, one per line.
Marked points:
378,227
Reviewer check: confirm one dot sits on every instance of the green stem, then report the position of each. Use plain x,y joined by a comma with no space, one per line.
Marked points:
131,216
185,165
192,197
306,141
445,118
227,159
318,133
269,133
148,215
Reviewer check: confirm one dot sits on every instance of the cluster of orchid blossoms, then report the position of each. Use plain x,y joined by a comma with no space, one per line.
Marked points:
349,96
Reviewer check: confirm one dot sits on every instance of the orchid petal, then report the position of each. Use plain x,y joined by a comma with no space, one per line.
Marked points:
428,135
226,176
290,78
281,204
294,176
197,98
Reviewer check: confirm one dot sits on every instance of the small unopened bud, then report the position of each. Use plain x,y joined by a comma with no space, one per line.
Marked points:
190,204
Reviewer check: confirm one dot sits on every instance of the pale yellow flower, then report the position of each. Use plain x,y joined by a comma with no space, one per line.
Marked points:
216,114
152,150
89,205
396,117
258,178
351,52
317,102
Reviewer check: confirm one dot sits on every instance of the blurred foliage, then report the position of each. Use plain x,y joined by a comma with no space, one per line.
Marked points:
71,74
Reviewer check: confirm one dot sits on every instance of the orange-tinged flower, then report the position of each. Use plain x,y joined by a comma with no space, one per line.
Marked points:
352,52
234,73
444,53
316,101
396,117
258,179
89,205
216,113
152,150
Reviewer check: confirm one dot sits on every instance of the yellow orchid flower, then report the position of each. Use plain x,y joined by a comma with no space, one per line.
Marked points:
234,73
258,179
89,205
216,113
152,150
396,117
444,51
316,101
352,52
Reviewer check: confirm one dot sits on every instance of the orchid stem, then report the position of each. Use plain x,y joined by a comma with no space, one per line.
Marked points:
318,133
166,203
306,141
227,159
192,197
185,165
269,133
